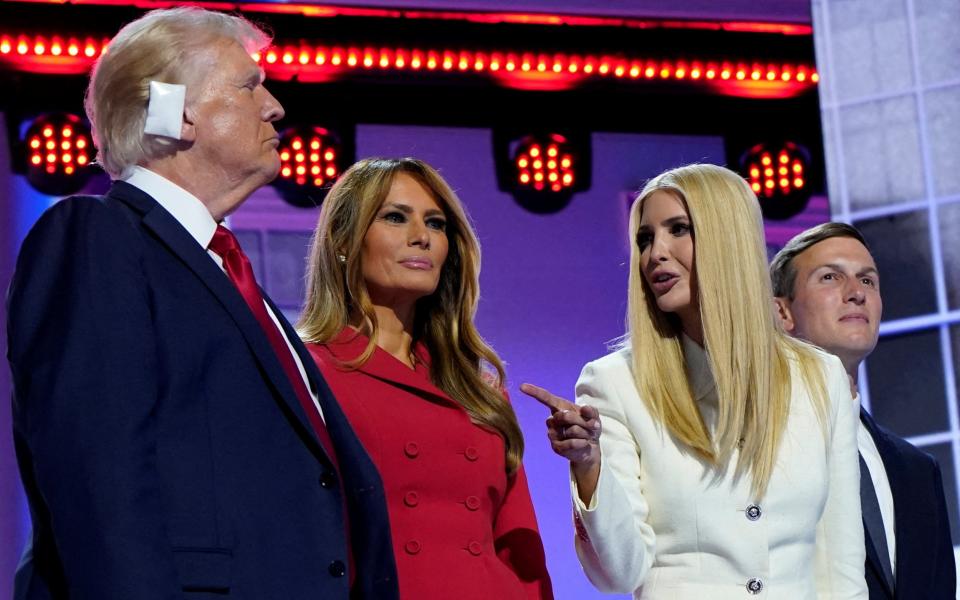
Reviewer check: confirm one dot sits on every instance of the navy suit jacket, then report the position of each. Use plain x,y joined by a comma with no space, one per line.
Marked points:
925,568
162,448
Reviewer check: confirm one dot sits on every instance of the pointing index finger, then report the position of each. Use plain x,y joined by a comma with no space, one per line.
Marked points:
554,403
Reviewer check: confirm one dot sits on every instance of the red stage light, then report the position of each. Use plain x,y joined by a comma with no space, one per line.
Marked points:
308,62
55,145
531,169
308,162
778,177
542,170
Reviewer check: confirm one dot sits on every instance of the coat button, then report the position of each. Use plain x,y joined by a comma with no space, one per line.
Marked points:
475,548
472,502
412,547
337,568
411,499
411,449
755,586
753,512
328,480
471,453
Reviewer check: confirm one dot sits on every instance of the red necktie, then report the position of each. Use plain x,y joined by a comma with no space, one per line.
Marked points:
240,272
238,269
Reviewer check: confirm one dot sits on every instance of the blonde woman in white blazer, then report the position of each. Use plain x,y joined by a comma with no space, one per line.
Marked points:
712,456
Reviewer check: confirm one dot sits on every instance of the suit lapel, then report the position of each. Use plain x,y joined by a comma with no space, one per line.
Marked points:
890,456
873,560
349,344
181,244
331,410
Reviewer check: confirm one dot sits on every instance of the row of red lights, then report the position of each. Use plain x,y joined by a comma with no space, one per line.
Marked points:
50,150
338,58
511,62
23,45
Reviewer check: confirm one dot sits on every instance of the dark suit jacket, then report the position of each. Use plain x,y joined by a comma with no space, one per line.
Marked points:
925,568
162,448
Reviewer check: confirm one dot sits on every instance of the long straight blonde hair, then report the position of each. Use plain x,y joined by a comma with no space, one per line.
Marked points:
461,361
748,352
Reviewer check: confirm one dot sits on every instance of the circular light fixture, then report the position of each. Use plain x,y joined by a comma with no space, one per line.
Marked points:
58,152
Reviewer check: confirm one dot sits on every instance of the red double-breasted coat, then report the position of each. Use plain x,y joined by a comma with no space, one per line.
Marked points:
461,528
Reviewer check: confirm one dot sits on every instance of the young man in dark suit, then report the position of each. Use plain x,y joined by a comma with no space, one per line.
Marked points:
174,437
827,290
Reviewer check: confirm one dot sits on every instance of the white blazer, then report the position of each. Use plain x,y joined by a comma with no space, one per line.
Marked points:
663,526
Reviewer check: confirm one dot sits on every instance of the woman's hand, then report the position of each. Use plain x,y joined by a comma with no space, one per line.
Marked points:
574,433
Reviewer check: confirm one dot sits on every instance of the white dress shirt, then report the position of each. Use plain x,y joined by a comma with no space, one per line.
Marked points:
193,215
878,474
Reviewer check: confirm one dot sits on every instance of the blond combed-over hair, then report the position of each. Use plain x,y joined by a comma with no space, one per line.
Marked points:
166,46
748,352
337,294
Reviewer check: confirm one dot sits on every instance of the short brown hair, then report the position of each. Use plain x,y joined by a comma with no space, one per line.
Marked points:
783,273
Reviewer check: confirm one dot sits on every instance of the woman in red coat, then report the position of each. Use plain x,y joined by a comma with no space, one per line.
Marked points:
392,291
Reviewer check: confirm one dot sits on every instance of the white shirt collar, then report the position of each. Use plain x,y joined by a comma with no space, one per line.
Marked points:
186,208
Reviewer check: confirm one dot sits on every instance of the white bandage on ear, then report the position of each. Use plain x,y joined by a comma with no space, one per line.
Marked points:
165,110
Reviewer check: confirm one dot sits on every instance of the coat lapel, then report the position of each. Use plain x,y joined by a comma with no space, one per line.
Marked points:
181,244
349,344
890,456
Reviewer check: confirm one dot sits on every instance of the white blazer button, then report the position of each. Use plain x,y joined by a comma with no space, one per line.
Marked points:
755,586
753,512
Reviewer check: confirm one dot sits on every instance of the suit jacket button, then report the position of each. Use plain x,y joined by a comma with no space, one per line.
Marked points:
337,568
472,502
753,512
328,480
475,548
412,547
471,453
755,586
411,499
411,449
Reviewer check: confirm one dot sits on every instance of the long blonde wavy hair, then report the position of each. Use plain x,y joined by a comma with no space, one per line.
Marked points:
462,364
749,354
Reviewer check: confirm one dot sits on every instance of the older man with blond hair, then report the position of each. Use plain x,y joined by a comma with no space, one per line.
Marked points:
174,438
